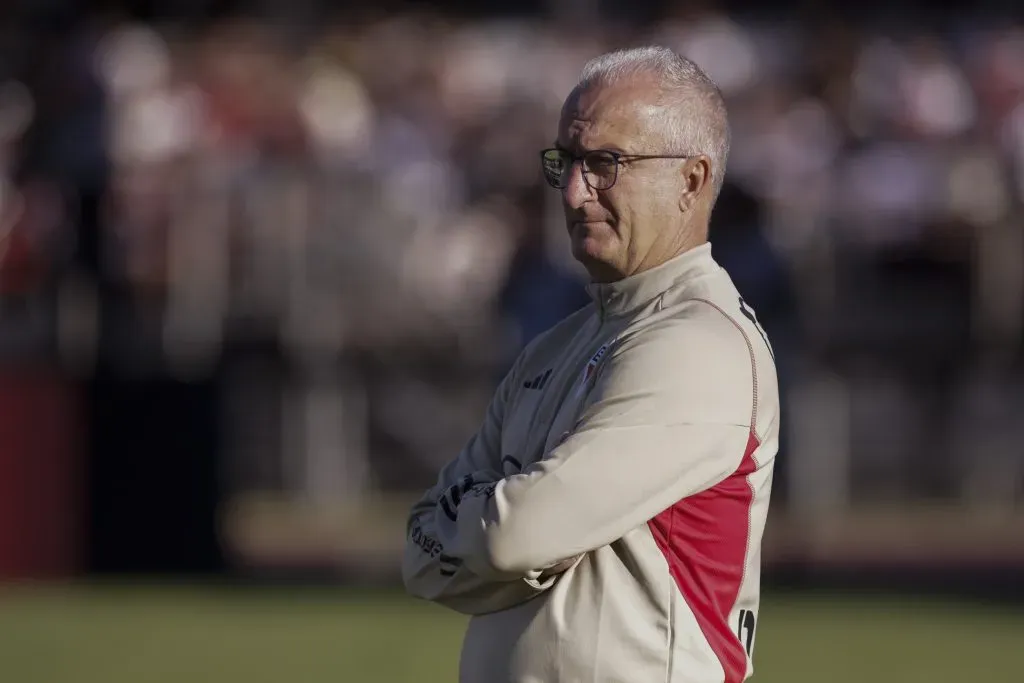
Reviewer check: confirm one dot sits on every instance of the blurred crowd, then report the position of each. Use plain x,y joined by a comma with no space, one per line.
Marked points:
349,219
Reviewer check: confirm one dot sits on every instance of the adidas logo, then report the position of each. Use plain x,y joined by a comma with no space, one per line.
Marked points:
538,382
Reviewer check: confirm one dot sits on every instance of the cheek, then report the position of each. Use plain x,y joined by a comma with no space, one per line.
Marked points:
619,205
645,214
660,203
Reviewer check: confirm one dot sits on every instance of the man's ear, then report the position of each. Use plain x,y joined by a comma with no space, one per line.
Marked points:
696,179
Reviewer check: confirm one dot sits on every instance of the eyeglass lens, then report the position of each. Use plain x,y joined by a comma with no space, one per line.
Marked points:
599,168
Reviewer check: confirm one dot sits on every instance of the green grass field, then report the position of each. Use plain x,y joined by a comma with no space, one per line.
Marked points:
199,635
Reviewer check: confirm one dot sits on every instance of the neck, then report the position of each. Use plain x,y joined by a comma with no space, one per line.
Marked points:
657,255
671,243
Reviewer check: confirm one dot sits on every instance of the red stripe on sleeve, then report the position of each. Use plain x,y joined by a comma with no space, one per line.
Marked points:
704,539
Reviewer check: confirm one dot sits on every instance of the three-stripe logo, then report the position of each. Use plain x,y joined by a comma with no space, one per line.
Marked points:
538,382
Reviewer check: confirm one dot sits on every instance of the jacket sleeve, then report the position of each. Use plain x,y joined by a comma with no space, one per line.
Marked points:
429,571
670,415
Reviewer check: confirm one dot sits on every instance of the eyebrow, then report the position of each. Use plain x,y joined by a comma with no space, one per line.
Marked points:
609,148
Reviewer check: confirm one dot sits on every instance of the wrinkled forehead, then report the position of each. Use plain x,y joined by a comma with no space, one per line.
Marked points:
623,117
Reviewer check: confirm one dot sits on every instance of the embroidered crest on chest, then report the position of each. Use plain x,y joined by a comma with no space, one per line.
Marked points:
591,369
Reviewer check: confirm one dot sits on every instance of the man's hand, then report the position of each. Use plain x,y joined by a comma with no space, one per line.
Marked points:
482,483
476,484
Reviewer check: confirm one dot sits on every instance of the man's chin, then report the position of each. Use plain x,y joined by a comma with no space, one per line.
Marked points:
585,249
593,256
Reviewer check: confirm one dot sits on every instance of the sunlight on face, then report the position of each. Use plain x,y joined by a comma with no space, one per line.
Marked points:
613,230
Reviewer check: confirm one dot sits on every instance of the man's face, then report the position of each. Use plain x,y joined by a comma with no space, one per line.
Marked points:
613,230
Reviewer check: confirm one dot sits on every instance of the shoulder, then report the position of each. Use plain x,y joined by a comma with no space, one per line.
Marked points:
692,331
694,367
691,359
711,311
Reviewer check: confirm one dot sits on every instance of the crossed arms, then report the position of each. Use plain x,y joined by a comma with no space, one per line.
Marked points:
669,416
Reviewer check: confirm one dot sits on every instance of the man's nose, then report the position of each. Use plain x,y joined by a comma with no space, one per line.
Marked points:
576,192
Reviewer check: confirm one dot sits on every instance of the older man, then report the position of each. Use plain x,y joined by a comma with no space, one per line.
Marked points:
605,523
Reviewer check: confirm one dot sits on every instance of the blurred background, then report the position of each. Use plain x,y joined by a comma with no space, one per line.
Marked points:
262,264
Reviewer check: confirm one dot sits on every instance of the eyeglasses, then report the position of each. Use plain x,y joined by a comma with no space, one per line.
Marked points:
600,166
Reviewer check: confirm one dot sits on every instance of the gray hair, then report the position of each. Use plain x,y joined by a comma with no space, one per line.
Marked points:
696,119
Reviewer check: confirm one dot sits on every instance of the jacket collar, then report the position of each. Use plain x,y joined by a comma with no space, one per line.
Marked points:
630,293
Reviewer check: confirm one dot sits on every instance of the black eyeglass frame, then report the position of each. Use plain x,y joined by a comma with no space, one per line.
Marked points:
618,157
